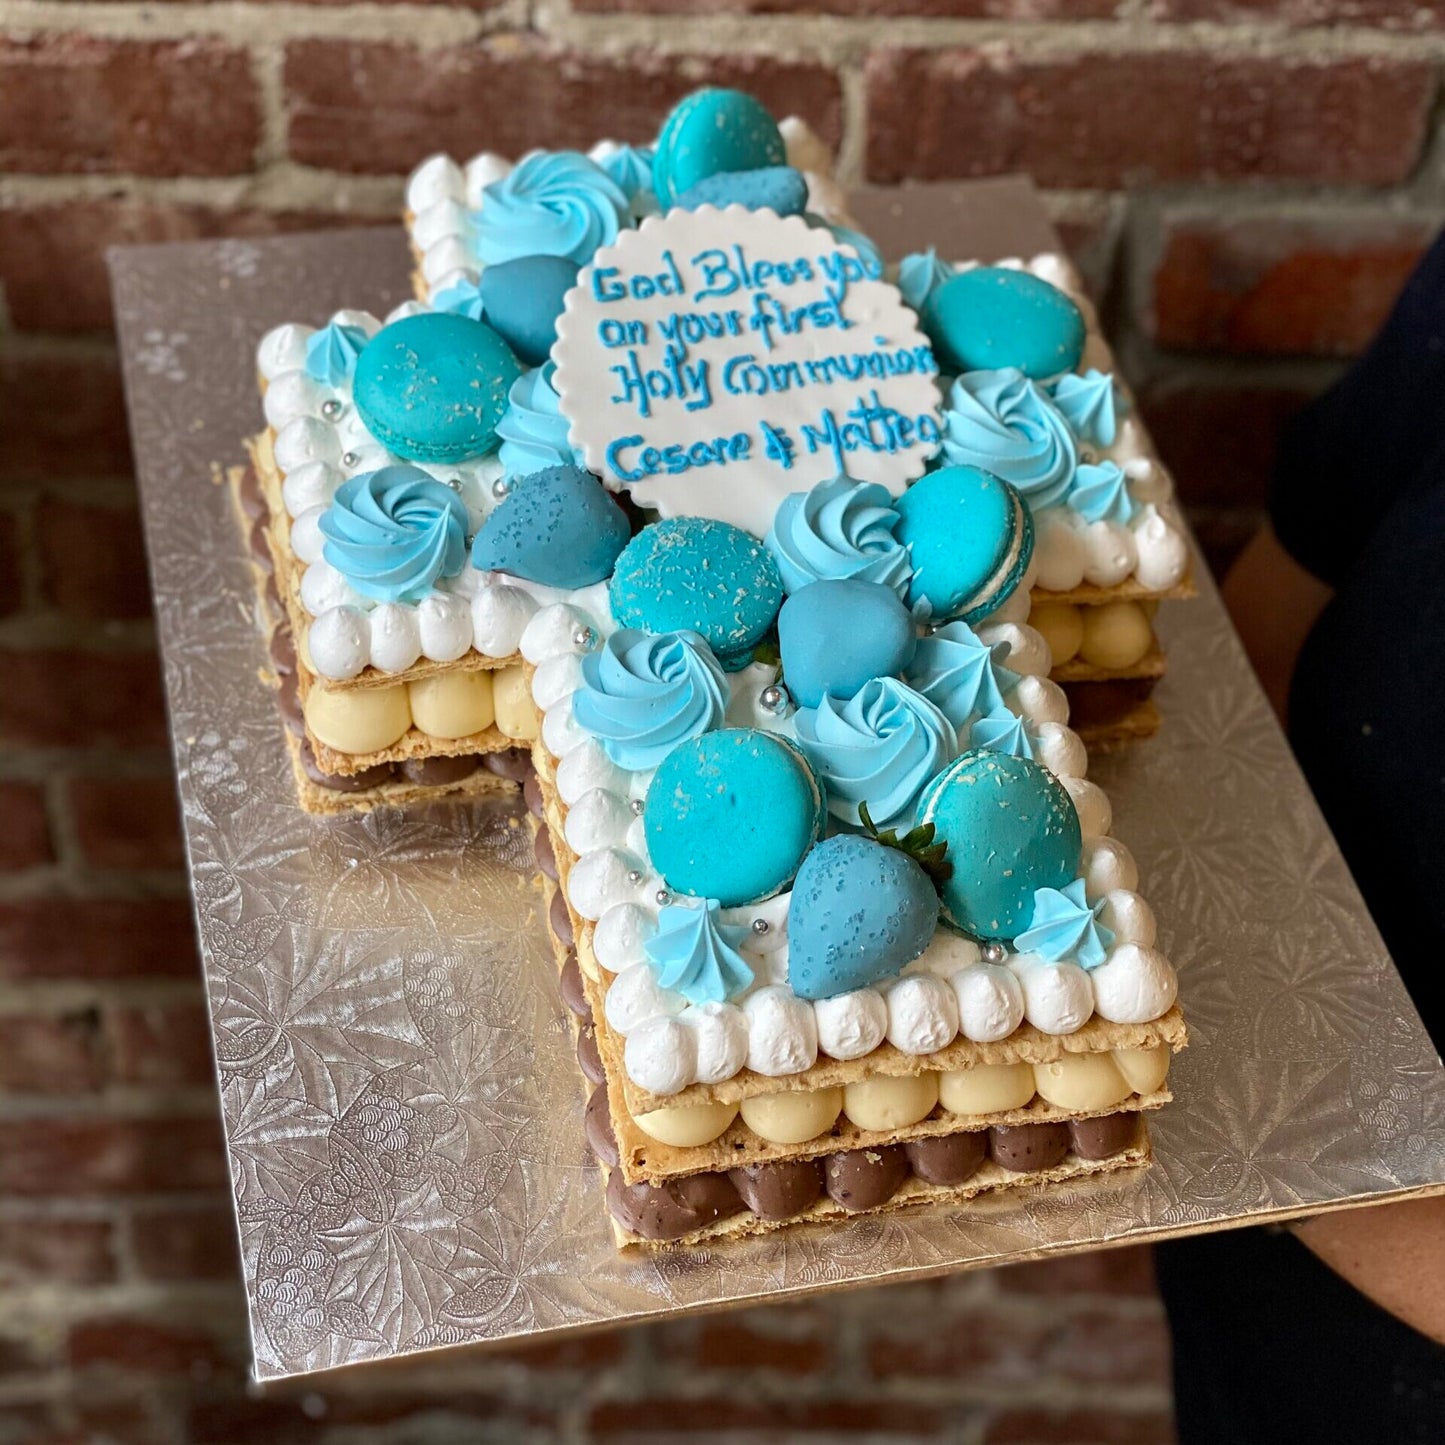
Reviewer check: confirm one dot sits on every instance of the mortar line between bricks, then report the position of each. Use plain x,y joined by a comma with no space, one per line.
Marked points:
18,345
433,25
61,996
62,1304
114,1104
86,881
839,37
267,66
79,1207
1046,1390
1149,366
844,38
282,185
1428,180
19,763
83,883
852,150
54,1387
23,508
287,185
42,632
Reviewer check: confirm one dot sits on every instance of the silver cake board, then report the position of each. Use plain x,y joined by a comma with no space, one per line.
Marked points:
402,1108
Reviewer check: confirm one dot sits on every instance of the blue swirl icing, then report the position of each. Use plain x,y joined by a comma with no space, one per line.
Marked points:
920,274
630,167
462,299
839,529
393,532
696,954
1089,404
1100,493
642,695
1000,422
552,203
1002,732
1066,927
960,674
331,353
882,747
533,429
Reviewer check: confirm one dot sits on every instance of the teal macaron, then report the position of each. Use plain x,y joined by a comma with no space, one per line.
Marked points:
432,387
1011,829
711,132
990,317
970,539
731,814
695,574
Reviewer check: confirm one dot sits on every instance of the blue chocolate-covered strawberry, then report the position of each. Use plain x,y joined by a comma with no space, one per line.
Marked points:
860,912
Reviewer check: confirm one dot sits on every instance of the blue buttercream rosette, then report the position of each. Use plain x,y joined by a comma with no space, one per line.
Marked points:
963,676
393,533
552,203
533,429
1003,423
840,530
882,747
642,695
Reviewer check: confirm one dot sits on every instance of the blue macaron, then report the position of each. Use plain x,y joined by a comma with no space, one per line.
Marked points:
991,317
1011,829
709,132
730,815
695,574
432,387
970,539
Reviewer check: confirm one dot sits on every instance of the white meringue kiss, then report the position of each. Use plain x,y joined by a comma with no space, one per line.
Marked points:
1134,985
621,932
782,1032
851,1025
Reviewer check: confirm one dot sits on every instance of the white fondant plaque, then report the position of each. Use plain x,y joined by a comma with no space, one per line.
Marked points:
711,362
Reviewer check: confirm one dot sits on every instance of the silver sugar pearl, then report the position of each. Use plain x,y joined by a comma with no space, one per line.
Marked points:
663,897
331,409
994,953
585,638
774,699
349,459
761,926
634,876
637,805
456,484
501,488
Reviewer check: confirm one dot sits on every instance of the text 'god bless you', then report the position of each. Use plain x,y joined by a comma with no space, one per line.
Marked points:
658,361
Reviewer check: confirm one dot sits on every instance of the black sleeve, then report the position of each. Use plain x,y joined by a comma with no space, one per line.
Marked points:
1345,459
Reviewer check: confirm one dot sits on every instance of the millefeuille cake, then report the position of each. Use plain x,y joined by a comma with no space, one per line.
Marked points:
1108,542
662,487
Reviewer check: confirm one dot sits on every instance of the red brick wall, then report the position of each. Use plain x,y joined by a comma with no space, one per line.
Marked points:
1246,183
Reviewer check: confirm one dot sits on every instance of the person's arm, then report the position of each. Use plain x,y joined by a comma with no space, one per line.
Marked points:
1395,1253
1273,602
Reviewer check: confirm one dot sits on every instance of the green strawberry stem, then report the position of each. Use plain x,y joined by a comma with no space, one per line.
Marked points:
918,844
